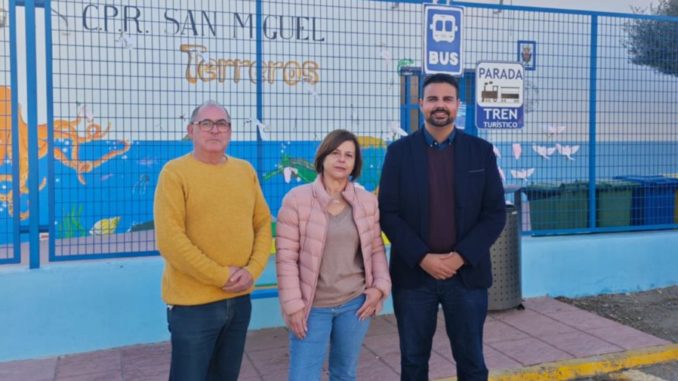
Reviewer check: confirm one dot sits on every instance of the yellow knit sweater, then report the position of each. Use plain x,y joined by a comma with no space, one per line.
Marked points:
208,217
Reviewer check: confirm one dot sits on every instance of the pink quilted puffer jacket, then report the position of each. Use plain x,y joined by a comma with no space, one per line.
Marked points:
300,240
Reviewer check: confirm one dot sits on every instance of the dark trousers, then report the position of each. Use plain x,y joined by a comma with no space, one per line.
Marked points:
465,310
208,340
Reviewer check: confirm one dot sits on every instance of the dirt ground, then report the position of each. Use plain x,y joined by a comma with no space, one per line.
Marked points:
654,312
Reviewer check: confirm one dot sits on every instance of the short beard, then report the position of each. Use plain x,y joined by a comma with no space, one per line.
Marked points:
440,123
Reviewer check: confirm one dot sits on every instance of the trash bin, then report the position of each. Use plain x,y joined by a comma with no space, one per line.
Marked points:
614,202
506,290
653,200
558,205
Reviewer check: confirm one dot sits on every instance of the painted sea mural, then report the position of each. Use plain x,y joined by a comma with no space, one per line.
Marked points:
105,187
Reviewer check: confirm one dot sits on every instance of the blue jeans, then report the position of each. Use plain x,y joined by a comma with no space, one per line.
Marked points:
208,340
465,310
342,330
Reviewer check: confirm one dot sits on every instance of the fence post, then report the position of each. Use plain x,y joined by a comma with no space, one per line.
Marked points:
593,66
49,99
16,167
32,119
260,89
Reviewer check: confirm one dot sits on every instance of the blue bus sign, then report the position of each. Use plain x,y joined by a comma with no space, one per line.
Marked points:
442,39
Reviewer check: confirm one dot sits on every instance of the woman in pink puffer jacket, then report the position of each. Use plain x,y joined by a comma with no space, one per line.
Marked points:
331,266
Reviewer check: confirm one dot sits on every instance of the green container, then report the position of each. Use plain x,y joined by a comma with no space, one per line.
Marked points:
614,200
558,205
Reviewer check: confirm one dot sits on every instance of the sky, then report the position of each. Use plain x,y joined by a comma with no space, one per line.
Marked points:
622,6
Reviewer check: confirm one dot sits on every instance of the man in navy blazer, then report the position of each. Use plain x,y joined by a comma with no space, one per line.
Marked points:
442,206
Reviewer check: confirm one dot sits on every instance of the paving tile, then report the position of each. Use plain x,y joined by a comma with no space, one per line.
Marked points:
37,370
368,359
382,326
536,324
110,375
274,377
266,338
145,360
445,353
501,315
496,330
441,317
377,372
270,362
529,351
136,351
391,319
382,344
547,330
440,367
90,363
247,369
160,371
392,359
581,319
257,378
495,360
548,306
441,345
147,368
581,344
627,337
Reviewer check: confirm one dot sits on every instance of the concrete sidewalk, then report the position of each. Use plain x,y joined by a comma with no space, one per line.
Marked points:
546,331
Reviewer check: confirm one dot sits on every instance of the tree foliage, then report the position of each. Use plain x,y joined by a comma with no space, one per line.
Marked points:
654,43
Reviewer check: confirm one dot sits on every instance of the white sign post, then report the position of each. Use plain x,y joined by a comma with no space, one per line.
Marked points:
499,95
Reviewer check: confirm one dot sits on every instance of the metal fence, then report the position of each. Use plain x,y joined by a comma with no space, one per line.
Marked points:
598,151
599,144
120,82
7,238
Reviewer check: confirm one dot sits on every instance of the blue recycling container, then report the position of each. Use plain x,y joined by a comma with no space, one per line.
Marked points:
653,200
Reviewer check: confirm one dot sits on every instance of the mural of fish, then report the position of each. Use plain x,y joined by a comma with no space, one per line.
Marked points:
105,226
291,167
371,142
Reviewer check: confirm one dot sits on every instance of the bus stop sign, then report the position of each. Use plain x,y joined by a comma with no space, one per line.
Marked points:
499,95
442,39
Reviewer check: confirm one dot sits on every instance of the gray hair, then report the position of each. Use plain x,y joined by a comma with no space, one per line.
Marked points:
209,103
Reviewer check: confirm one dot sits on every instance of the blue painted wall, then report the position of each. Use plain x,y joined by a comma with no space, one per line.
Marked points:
599,263
84,306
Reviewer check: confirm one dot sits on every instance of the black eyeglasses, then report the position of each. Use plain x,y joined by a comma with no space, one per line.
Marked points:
206,125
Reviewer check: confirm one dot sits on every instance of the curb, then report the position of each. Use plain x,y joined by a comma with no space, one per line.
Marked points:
587,367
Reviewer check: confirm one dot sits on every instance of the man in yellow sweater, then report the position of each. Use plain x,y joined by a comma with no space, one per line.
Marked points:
213,228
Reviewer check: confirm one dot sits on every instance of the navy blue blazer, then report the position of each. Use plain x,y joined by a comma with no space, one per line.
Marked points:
404,207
